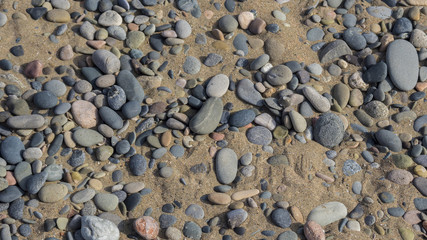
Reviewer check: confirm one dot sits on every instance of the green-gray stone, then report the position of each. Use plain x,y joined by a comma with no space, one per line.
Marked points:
135,39
106,201
341,93
278,160
364,118
402,161
207,118
87,137
104,152
406,233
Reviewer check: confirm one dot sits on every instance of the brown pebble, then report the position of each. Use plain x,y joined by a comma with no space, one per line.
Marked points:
313,231
208,14
257,26
217,136
166,138
133,27
244,194
95,184
219,198
218,34
421,86
296,213
324,177
33,69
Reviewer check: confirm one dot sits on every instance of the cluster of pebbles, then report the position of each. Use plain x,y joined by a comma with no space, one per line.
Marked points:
120,117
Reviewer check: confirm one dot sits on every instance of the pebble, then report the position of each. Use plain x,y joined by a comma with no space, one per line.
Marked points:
236,217
192,230
3,19
226,165
52,193
106,201
402,61
87,137
191,65
328,130
328,213
227,24
259,135
208,117
389,139
281,218
334,50
93,227
195,211
279,75
315,34
400,176
106,61
217,86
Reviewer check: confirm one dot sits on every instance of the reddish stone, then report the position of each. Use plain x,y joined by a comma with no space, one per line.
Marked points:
97,44
84,113
33,69
412,217
10,178
313,231
158,107
133,27
217,136
421,86
146,227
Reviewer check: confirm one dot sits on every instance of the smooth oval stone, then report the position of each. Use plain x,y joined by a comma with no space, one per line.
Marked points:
52,193
400,176
106,201
376,73
138,165
341,93
281,218
236,217
62,108
45,99
396,212
182,29
389,139
110,117
191,65
10,194
328,213
226,165
298,121
195,211
420,122
11,149
84,113
207,118
328,130
319,102
87,137
259,135
26,121
131,109
247,92
106,61
354,39
259,62
83,195
279,75
131,86
420,203
402,63
217,86
227,24
56,87
241,118
58,16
